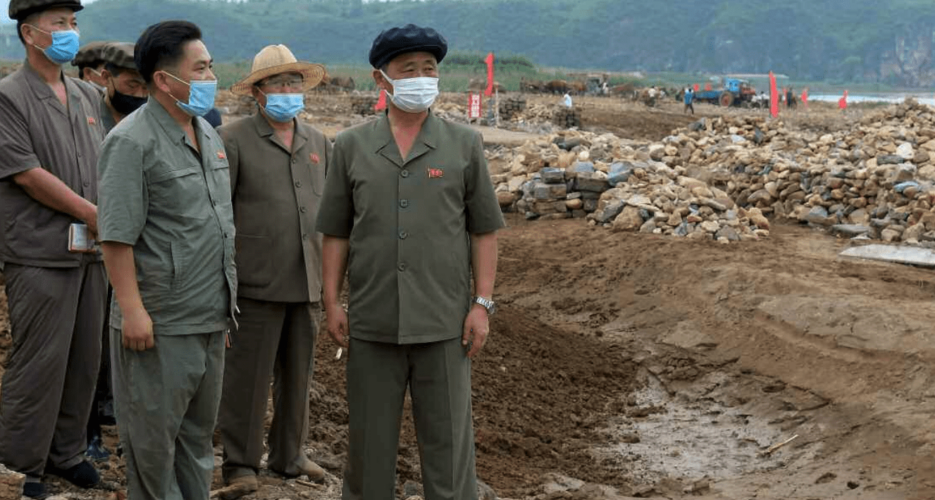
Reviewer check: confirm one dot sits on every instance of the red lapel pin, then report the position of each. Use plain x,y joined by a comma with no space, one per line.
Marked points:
436,173
91,120
314,157
221,155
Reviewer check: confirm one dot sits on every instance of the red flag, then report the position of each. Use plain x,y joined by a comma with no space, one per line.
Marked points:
381,104
773,96
489,91
805,97
842,102
697,87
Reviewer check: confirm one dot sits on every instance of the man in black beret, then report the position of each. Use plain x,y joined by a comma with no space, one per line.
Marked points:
409,195
126,90
50,140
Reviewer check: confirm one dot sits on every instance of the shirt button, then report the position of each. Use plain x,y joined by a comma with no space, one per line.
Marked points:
401,266
404,173
304,236
294,160
303,210
215,203
298,184
404,203
86,183
79,155
403,235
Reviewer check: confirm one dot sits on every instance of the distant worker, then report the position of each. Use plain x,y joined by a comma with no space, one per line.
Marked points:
790,98
90,63
567,101
689,98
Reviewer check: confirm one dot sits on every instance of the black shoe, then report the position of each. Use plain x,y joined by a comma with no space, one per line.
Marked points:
83,475
35,490
96,450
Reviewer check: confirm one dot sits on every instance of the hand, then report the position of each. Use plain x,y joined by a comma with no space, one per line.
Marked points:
138,330
337,324
476,328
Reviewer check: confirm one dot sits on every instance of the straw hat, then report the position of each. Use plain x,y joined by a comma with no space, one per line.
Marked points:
275,60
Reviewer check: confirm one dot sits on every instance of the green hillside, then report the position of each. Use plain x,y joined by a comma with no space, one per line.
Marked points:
835,40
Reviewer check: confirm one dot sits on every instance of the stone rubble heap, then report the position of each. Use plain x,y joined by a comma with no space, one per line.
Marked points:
722,178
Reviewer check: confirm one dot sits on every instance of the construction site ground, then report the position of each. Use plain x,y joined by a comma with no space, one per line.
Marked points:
631,365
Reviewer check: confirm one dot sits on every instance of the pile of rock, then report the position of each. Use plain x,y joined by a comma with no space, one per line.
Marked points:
874,179
512,106
721,178
616,183
566,117
363,104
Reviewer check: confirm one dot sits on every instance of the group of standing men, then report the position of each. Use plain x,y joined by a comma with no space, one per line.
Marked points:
222,247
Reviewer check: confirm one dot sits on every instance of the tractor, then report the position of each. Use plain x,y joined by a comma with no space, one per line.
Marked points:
735,93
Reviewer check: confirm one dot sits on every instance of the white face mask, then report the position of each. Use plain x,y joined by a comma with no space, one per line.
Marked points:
413,95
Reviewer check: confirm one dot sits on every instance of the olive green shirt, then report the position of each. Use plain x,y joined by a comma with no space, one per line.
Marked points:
276,192
37,131
173,206
409,225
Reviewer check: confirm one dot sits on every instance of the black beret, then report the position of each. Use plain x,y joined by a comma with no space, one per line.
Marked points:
120,54
21,9
410,38
90,54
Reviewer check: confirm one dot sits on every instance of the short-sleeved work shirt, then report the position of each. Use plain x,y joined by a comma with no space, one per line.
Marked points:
409,225
37,131
173,205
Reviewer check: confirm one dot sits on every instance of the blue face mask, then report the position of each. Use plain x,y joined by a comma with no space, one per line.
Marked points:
200,96
283,107
64,46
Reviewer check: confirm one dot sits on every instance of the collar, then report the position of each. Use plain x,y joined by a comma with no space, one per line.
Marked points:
264,129
424,142
43,91
155,109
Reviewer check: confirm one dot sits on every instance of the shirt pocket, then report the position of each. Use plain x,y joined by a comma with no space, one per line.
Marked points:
178,192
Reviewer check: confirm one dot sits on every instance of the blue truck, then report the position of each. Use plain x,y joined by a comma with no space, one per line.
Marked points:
734,93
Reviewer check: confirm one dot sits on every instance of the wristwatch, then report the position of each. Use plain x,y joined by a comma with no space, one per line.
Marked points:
488,304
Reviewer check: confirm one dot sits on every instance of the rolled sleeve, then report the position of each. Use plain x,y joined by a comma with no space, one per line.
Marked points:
122,191
480,200
336,212
16,152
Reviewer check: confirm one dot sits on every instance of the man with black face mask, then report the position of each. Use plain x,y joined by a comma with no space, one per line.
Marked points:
126,90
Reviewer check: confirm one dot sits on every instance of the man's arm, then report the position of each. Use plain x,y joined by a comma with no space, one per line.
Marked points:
49,190
484,264
137,326
334,252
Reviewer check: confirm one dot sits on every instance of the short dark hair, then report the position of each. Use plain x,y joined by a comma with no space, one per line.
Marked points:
113,69
161,45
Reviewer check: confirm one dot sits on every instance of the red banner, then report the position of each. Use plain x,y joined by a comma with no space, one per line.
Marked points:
773,96
381,104
697,87
842,102
489,91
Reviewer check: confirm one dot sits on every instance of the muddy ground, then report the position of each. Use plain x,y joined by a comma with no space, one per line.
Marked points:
633,365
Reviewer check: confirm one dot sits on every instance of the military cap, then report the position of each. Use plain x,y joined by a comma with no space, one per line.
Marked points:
410,38
21,9
120,54
89,54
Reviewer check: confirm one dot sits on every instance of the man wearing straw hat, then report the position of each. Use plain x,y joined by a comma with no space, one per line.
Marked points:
277,165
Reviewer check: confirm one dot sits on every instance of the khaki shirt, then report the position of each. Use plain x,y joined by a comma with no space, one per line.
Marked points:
408,223
174,207
276,194
37,131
